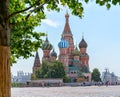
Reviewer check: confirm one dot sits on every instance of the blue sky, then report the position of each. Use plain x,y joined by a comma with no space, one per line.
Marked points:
101,32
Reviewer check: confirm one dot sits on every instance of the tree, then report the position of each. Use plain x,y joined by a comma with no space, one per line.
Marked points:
96,75
17,21
57,69
14,84
33,76
66,79
51,70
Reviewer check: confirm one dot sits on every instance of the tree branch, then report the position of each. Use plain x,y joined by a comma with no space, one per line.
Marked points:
14,13
31,11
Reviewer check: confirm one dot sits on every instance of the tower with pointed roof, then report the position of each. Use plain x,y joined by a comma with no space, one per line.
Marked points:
37,63
67,34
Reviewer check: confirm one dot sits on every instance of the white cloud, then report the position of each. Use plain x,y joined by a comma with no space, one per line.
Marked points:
51,23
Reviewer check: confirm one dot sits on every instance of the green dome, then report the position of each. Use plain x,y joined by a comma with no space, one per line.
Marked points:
76,52
46,45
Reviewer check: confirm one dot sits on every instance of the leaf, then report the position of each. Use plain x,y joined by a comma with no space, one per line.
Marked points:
86,1
108,6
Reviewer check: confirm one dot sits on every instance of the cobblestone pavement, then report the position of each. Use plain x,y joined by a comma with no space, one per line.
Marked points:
87,91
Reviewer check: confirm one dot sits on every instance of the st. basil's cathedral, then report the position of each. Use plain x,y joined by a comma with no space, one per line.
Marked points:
76,61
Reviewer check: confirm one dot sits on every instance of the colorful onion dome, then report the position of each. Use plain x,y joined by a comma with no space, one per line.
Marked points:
46,45
83,44
53,54
76,52
63,43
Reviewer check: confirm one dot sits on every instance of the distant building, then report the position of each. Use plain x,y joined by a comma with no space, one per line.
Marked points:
109,77
75,60
119,80
21,77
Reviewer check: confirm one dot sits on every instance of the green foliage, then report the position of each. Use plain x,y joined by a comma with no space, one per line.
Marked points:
57,69
16,84
108,3
66,79
96,75
38,73
86,1
24,40
51,70
33,76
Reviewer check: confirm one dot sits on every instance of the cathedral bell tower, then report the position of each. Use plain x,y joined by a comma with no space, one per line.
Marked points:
67,34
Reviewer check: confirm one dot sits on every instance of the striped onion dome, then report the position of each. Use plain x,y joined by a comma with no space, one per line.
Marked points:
53,54
46,45
63,43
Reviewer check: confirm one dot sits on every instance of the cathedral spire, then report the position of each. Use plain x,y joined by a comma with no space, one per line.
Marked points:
67,27
67,16
67,34
37,60
83,35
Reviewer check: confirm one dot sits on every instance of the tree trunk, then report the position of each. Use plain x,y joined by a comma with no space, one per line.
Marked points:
5,79
5,75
